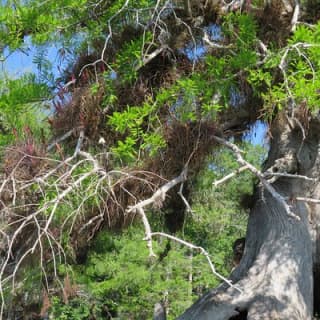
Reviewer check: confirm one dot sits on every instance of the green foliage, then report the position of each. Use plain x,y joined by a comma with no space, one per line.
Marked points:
119,275
22,105
299,66
204,94
77,309
59,21
129,59
44,66
303,66
138,137
41,21
241,28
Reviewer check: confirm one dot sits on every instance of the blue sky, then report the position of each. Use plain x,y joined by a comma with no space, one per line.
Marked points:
258,133
18,62
21,61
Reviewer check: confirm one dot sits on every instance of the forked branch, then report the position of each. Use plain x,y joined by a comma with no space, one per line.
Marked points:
237,152
157,198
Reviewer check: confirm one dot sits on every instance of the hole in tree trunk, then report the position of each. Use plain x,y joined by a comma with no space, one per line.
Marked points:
241,316
316,292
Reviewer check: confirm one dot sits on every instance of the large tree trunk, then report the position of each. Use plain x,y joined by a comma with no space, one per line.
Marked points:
275,275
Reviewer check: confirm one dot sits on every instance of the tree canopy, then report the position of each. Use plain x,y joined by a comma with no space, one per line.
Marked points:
138,129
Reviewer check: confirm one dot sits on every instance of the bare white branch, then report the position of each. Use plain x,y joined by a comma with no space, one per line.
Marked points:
258,174
185,201
79,143
150,57
159,196
305,199
60,139
287,175
202,251
229,176
295,16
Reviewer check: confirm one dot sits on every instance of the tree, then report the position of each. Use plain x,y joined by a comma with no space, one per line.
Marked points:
153,88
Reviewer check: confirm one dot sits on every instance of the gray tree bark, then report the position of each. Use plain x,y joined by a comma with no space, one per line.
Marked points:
282,255
159,312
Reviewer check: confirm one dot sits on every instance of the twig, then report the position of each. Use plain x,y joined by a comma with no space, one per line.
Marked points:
147,228
202,251
159,196
60,139
287,175
42,215
206,39
185,201
229,176
150,57
306,199
79,143
108,38
95,162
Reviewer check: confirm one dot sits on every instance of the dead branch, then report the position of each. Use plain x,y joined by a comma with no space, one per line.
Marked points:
214,44
60,139
159,195
150,57
268,174
306,199
258,174
295,16
202,251
229,176
62,179
185,201
157,198
79,143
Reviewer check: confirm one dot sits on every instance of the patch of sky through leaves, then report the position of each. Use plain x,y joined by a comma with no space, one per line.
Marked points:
197,49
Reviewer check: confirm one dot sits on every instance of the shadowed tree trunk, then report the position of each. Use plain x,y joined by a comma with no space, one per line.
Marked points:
275,275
